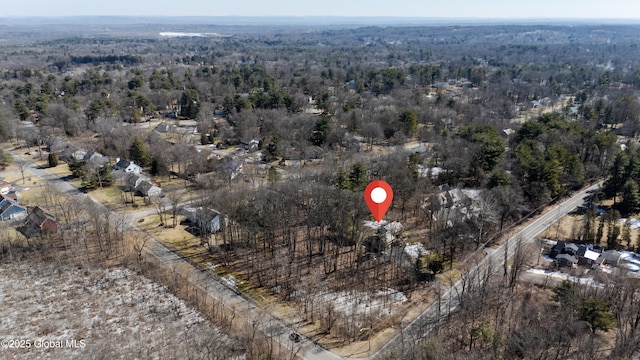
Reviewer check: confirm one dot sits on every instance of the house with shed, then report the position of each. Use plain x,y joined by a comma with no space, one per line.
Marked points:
147,188
10,209
203,218
39,221
141,185
128,167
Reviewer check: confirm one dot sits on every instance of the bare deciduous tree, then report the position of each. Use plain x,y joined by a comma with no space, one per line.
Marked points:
174,196
22,165
161,209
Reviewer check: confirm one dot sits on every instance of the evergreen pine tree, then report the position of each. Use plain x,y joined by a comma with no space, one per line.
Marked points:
53,160
357,180
626,236
600,231
138,152
630,197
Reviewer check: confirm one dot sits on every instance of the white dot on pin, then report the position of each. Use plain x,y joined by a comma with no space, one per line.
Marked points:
378,195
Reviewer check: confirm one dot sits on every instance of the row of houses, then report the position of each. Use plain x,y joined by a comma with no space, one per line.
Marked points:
97,159
567,254
134,180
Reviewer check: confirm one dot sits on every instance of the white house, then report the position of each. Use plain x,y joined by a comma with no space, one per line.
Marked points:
79,154
5,187
128,167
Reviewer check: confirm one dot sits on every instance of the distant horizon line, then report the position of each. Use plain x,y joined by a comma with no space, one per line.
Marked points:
301,20
328,16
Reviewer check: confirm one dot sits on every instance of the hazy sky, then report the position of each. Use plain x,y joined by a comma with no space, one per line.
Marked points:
627,9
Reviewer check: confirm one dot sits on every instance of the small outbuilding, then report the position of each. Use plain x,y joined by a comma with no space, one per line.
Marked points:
611,257
39,221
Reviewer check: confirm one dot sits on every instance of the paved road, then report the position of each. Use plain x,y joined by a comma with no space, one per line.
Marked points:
210,283
307,349
418,328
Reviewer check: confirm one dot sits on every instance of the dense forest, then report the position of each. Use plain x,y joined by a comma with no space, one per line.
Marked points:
292,124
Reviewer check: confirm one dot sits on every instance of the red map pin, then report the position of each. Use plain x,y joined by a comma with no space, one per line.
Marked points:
378,196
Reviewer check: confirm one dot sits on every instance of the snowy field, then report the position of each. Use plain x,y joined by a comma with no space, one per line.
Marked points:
71,313
563,276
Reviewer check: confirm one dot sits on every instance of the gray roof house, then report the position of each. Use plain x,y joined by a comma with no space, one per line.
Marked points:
611,257
563,247
566,260
141,185
131,181
162,127
95,158
203,218
147,188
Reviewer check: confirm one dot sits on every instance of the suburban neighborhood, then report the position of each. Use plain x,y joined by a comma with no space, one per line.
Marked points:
312,187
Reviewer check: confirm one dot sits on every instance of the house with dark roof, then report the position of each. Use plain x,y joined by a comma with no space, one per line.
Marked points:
141,185
131,181
566,260
147,188
10,209
563,247
39,221
128,167
587,256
